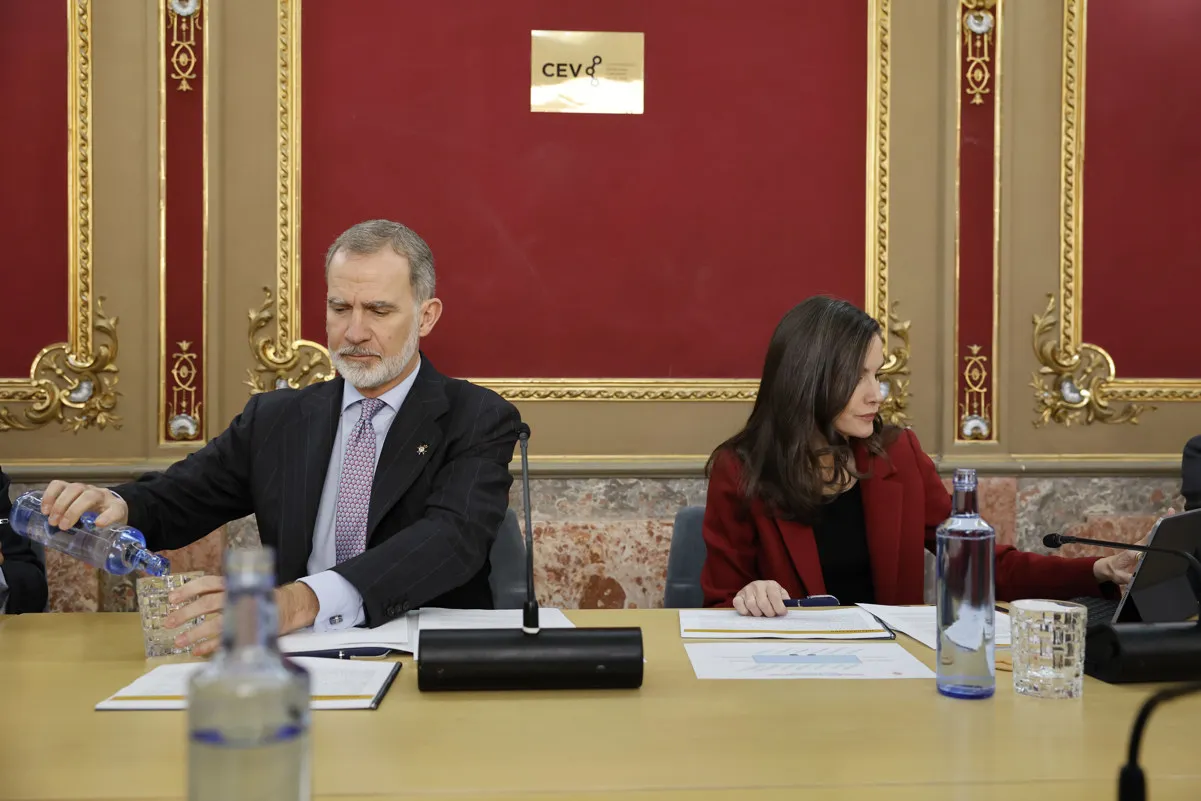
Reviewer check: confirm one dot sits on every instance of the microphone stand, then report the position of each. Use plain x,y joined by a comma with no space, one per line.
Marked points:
1132,784
1121,653
530,658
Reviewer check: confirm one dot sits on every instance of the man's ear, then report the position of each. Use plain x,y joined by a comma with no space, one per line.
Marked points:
431,311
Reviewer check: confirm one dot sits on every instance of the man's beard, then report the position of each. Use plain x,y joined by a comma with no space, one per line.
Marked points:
376,373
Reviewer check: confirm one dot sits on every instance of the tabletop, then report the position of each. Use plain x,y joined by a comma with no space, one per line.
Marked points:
676,737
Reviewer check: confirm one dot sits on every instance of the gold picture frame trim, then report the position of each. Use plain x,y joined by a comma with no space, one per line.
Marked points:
73,382
1077,381
282,359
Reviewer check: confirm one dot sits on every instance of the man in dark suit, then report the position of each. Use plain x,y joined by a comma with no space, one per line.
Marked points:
22,573
1190,474
381,491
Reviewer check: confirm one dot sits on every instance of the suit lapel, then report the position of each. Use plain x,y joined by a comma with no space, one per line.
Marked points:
312,443
802,548
413,438
883,495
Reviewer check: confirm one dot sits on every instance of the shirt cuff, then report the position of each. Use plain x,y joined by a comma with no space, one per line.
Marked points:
339,604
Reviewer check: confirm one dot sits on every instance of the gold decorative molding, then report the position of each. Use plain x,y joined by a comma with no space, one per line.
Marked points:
302,364
286,360
1077,381
1070,386
621,389
73,382
978,25
184,24
975,412
895,372
186,421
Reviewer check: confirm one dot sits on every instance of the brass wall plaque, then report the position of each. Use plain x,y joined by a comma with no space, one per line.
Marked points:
586,72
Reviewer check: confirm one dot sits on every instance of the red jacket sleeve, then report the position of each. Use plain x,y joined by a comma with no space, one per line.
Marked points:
1020,574
731,541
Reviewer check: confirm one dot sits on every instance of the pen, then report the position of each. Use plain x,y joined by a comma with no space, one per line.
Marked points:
812,600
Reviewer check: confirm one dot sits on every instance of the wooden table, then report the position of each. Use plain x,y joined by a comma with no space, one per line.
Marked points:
676,738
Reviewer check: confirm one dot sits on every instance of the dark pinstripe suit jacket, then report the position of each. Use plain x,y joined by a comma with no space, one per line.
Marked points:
434,510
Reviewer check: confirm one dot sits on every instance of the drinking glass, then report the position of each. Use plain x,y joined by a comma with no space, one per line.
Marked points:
154,607
1048,648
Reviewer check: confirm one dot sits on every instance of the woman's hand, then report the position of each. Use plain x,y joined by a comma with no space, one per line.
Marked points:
761,599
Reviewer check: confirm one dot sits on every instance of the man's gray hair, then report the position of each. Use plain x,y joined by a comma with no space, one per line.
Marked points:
372,236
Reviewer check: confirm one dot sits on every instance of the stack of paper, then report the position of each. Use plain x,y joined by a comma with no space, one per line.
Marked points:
395,635
799,624
918,622
336,684
404,633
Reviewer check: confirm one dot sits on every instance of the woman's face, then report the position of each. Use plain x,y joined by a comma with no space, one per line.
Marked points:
857,419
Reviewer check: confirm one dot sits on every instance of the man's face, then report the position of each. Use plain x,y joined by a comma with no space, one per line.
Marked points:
373,325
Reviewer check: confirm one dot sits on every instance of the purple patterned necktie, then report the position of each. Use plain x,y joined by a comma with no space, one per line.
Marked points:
354,487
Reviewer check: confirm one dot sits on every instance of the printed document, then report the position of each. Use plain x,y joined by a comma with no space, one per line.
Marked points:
919,623
336,684
395,635
746,660
818,623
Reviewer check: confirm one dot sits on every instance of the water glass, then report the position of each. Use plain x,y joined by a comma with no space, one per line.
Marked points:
1048,648
154,607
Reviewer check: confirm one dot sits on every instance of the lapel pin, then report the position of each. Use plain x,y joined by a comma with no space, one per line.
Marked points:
422,448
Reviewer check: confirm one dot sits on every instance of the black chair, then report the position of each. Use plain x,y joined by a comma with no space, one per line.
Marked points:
685,559
507,560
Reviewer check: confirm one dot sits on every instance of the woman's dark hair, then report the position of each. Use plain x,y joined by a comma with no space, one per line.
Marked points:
814,363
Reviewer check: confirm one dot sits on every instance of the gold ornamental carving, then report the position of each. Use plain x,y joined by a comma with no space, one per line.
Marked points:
283,359
185,422
1071,385
185,19
1077,381
979,22
975,410
73,382
301,364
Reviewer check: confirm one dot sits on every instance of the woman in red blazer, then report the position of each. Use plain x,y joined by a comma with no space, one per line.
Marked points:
815,495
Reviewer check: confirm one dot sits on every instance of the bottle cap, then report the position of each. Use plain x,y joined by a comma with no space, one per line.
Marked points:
965,478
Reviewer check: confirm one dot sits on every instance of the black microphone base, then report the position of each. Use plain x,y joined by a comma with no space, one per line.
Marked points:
510,659
1143,652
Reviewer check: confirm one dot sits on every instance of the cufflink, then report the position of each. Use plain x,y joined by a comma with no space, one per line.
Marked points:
335,620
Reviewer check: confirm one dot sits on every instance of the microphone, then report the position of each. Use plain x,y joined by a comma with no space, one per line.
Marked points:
529,658
1120,653
1132,784
1194,567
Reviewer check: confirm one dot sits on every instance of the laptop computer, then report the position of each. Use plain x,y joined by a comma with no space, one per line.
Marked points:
1161,590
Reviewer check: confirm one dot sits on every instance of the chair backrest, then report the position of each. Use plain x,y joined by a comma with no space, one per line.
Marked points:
685,559
507,559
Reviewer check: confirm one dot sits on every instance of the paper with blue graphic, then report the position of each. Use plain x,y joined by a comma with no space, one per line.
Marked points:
745,660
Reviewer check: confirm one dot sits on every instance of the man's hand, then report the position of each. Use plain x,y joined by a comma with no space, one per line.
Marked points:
63,503
296,604
1,557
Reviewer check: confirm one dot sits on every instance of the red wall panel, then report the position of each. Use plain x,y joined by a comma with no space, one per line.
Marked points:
568,245
1141,176
33,162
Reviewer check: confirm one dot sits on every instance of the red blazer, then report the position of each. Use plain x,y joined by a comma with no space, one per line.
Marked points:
904,501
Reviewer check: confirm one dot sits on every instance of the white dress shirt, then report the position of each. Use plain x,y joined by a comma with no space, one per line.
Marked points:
3,592
340,605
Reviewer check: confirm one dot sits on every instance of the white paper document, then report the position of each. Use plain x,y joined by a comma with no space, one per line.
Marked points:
395,635
821,623
746,660
336,684
437,618
919,623
433,618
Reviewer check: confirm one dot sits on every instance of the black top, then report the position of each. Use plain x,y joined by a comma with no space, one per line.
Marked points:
841,536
